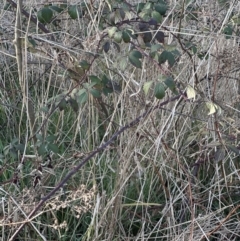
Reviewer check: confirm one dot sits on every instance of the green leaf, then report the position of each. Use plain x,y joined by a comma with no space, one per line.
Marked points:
148,6
73,11
194,49
104,79
163,57
170,47
122,13
135,62
62,105
89,86
155,47
53,147
42,149
228,31
107,91
39,137
106,46
13,153
125,7
44,109
95,93
51,138
169,82
153,22
166,56
14,141
140,7
162,77
126,36
63,6
84,64
130,32
118,37
156,16
112,31
159,91
170,59
160,37
20,147
79,70
147,36
145,15
56,8
45,15
83,97
94,79
147,86
32,42
134,57
136,54
161,8
74,104
143,26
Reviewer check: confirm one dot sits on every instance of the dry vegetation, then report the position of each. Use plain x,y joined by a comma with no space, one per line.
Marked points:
172,174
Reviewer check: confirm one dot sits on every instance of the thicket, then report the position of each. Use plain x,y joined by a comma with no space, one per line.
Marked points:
119,120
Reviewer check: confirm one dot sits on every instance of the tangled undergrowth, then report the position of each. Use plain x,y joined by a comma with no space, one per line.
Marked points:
119,120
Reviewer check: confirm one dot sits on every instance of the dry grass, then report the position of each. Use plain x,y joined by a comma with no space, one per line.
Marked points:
162,178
